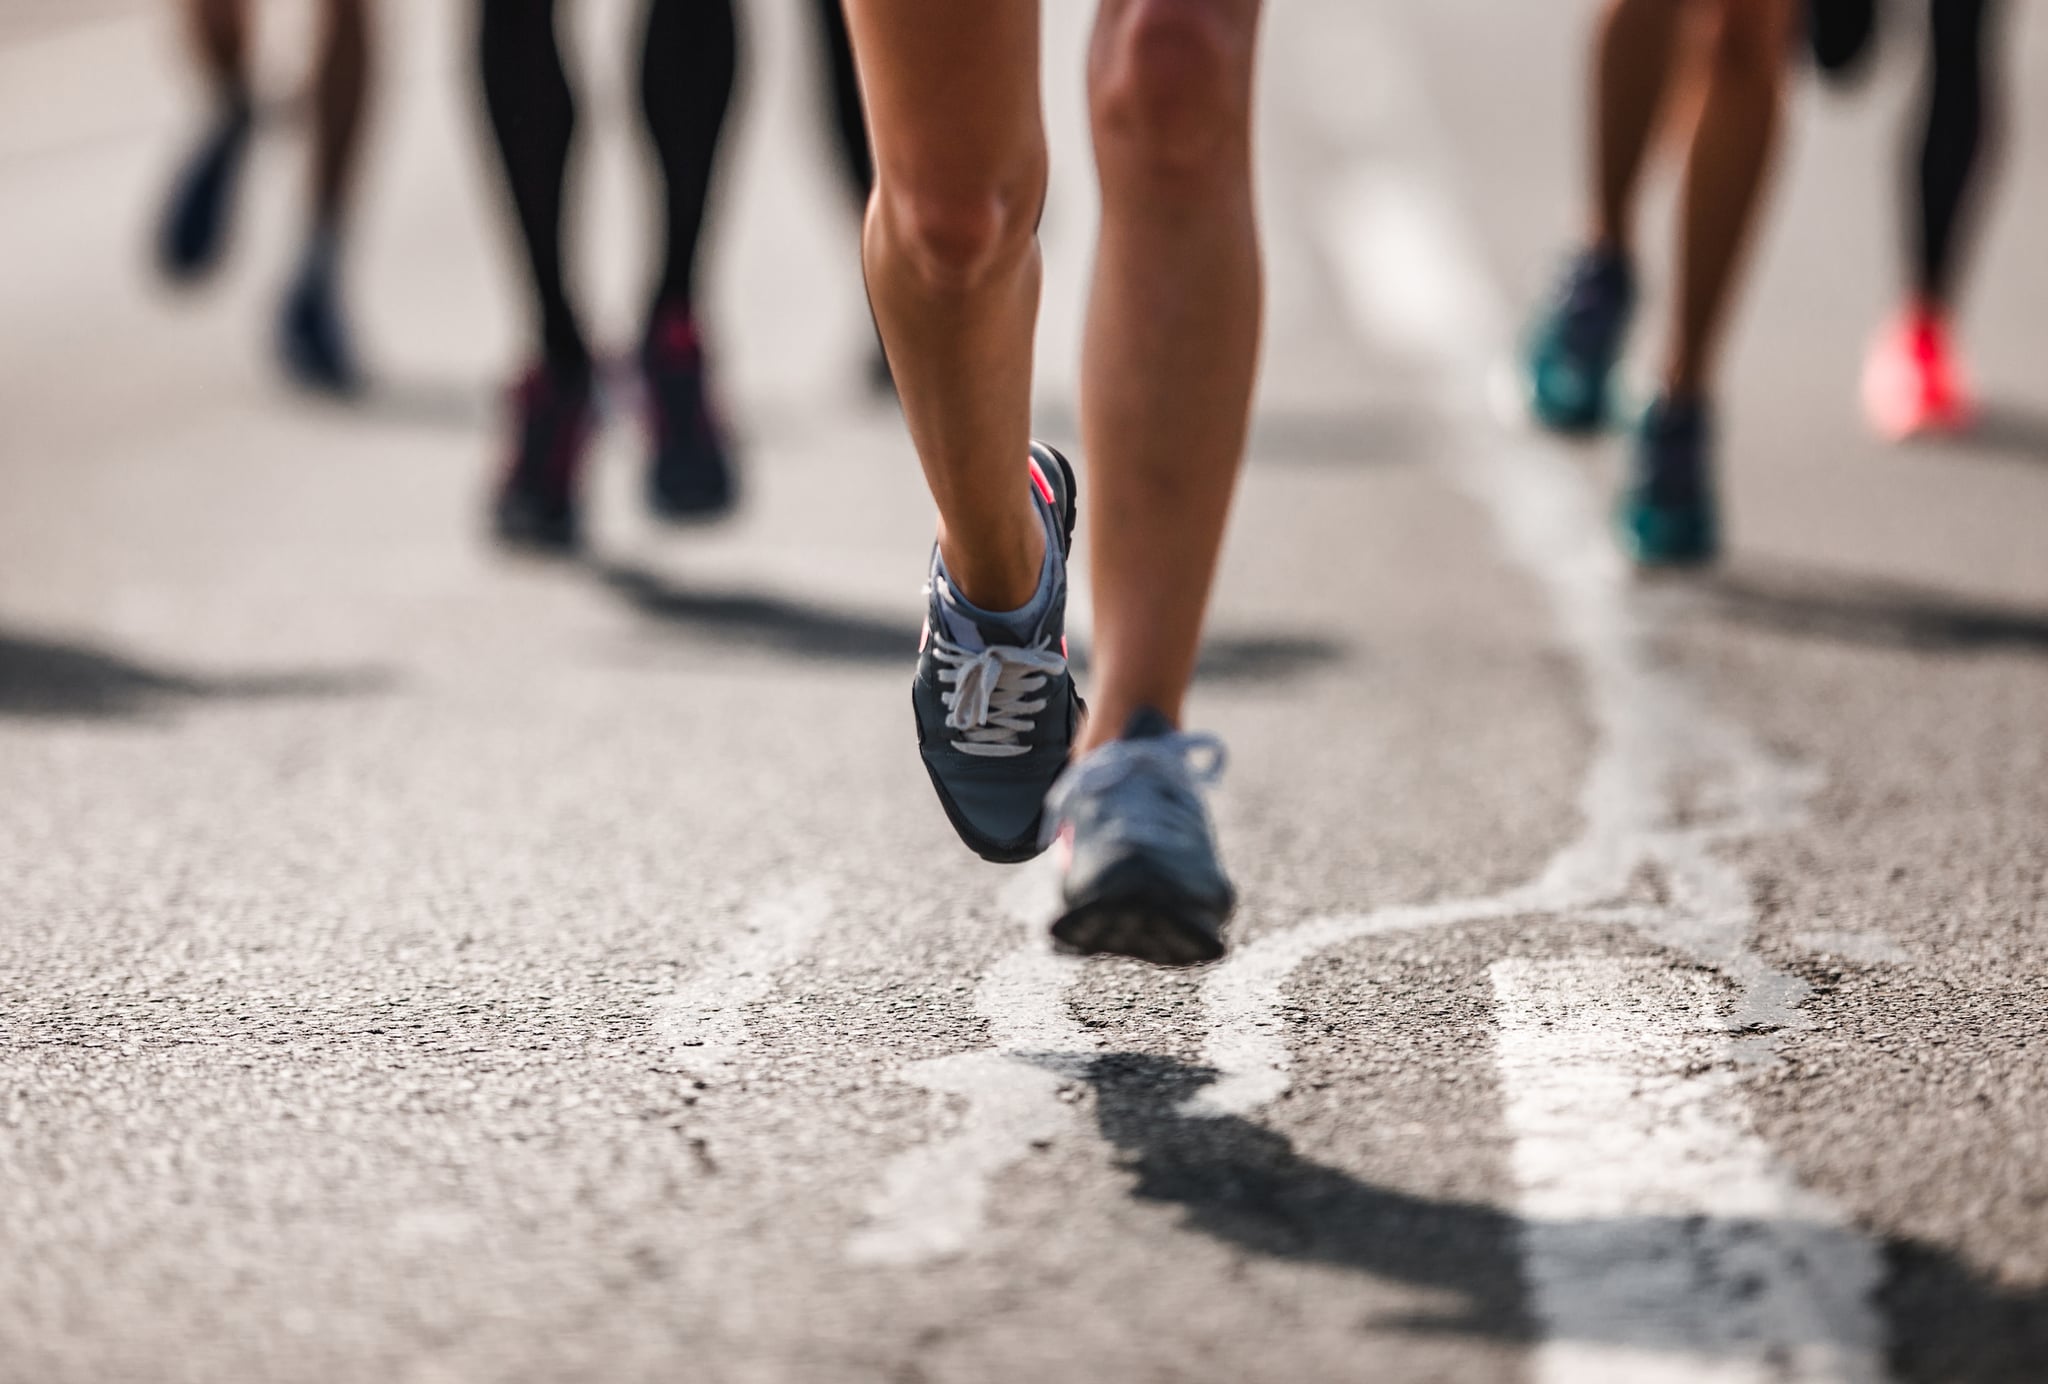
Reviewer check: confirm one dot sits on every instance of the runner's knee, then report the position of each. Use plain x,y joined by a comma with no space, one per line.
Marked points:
1170,86
958,230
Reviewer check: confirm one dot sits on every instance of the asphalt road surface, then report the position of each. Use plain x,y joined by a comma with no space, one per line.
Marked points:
420,966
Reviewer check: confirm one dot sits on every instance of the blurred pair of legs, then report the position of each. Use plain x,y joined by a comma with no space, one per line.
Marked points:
1739,51
195,225
1727,122
688,66
1171,344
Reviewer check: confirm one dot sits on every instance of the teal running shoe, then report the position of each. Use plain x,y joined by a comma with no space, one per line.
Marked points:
1667,516
1573,346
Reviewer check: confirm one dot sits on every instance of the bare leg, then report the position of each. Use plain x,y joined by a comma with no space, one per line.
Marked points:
1724,174
1632,68
952,263
1172,335
340,88
219,31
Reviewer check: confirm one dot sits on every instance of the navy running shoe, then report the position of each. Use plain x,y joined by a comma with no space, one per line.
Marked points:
554,414
691,476
1570,355
1840,33
1667,513
1140,875
995,703
195,220
311,338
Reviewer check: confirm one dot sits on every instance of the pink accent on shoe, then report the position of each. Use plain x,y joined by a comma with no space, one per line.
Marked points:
538,389
673,334
1040,483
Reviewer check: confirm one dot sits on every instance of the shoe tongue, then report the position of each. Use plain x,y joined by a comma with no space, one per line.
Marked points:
1146,724
977,631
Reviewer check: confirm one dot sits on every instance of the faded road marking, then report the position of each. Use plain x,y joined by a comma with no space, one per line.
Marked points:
1662,1242
934,1197
705,1019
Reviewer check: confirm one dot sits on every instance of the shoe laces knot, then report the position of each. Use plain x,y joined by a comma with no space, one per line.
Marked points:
992,701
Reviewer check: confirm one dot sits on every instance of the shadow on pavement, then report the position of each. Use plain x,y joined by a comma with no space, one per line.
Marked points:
59,679
1245,1185
456,405
2014,429
1952,1323
1882,613
801,629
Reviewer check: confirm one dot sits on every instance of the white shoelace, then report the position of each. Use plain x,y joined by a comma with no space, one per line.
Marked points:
991,703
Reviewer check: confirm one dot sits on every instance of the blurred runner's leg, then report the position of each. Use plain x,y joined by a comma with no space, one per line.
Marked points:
850,137
1668,512
1913,381
689,58
1725,167
194,226
1573,347
532,117
311,335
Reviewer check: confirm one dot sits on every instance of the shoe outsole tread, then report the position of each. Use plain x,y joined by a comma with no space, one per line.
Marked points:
1159,926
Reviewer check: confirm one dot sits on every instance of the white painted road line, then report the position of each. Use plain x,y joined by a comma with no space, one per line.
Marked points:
1662,1243
934,1197
705,1019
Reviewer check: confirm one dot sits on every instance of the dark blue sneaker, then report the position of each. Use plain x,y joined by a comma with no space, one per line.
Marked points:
1570,355
554,413
195,222
1840,32
311,338
995,704
1667,514
691,476
1140,875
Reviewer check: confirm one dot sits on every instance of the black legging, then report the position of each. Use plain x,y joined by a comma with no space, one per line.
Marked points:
689,57
1952,147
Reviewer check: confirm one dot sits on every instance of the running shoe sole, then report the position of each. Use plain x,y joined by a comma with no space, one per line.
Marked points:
1146,918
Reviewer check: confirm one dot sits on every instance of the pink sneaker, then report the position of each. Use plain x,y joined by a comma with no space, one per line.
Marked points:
1913,384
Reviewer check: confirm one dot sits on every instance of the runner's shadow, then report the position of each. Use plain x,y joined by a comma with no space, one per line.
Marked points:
451,404
804,630
58,679
1883,613
774,624
1245,1185
2013,429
